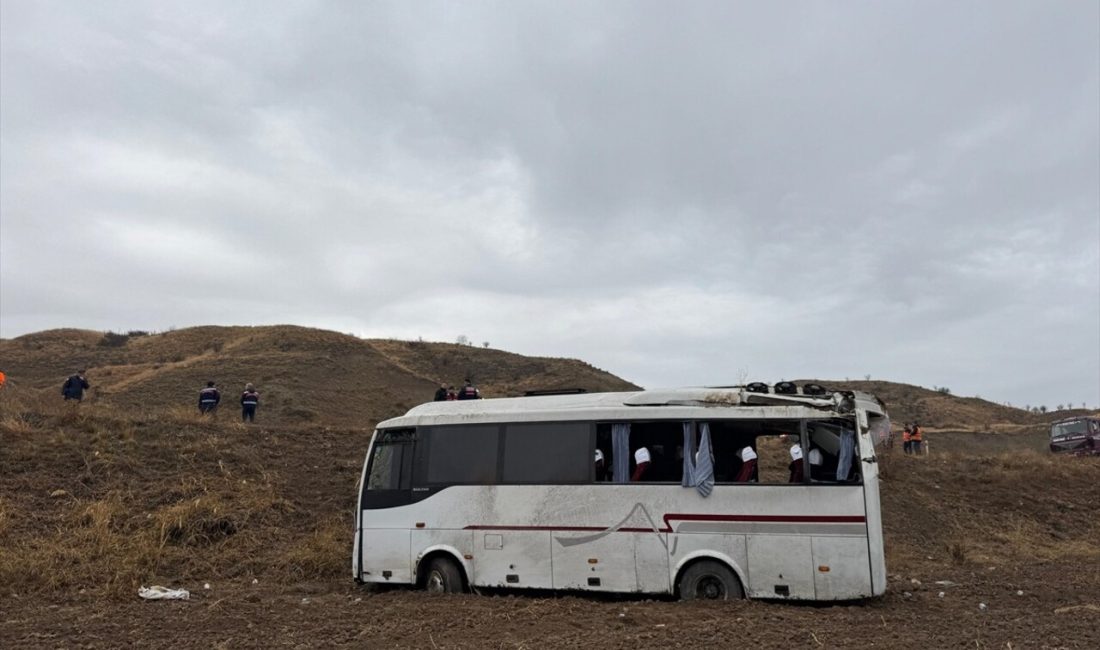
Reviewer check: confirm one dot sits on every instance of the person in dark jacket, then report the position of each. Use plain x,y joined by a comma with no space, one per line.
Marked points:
469,391
75,386
441,393
250,399
209,398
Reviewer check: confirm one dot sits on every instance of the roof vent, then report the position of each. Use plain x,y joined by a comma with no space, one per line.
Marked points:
757,387
813,389
786,388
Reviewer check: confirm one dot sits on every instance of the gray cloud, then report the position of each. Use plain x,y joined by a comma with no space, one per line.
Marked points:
676,193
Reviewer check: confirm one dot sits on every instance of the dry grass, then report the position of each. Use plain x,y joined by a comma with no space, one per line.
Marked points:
323,552
96,502
990,505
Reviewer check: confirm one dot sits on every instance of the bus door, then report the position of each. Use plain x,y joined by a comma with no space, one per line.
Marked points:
384,542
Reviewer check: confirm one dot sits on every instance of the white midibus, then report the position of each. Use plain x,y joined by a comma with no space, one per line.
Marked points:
718,493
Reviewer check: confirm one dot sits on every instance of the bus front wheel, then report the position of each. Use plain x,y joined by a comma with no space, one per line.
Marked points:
444,577
710,580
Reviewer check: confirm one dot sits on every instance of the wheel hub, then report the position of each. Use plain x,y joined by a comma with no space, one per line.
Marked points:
710,588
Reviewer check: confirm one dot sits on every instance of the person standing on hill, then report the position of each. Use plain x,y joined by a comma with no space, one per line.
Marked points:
915,438
250,399
469,391
209,398
441,394
907,439
75,386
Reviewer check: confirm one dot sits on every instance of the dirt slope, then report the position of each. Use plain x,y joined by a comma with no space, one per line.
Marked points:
303,375
931,408
96,501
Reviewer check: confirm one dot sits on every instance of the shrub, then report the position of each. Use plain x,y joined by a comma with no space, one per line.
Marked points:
114,340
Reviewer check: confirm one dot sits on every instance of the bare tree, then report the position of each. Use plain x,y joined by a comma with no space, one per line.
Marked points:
462,339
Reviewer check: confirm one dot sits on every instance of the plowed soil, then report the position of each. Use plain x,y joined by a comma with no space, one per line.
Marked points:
991,543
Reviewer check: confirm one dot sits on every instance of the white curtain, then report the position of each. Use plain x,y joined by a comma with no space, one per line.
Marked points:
688,479
620,449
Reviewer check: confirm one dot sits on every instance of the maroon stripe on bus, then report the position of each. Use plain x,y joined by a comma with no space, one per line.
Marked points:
785,519
669,518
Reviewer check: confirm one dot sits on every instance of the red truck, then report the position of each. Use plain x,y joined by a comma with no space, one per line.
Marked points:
1079,436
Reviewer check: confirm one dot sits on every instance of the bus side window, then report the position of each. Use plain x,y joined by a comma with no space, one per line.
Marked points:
458,455
828,442
662,444
550,453
757,451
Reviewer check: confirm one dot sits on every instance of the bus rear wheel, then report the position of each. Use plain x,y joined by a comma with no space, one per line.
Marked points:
710,580
443,577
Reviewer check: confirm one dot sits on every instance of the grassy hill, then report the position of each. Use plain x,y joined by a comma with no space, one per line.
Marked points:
311,376
303,375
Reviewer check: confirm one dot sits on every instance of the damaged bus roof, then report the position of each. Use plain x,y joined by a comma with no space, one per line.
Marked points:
688,403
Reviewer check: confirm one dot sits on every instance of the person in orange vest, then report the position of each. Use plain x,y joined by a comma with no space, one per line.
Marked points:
915,438
907,439
2,378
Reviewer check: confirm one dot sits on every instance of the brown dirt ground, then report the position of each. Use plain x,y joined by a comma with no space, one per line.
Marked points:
93,505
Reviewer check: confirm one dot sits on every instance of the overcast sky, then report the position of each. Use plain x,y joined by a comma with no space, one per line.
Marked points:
679,193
